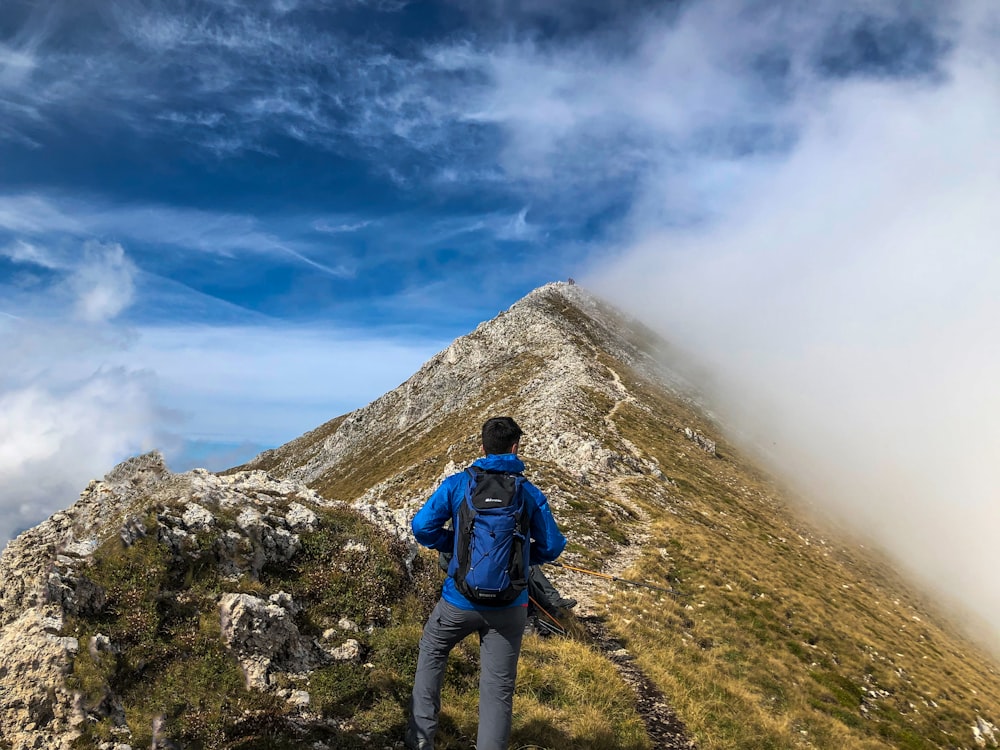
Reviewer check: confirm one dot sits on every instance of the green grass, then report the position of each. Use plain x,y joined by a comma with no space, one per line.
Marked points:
173,670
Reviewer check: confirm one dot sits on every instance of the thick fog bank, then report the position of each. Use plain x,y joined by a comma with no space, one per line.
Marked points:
848,306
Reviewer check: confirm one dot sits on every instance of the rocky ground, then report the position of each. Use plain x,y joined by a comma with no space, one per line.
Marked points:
236,525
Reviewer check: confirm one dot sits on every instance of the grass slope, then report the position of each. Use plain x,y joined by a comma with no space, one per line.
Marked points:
787,637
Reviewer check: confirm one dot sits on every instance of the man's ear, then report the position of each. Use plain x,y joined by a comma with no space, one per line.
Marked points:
514,447
483,449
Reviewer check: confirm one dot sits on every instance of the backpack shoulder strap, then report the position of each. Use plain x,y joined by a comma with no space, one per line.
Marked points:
473,472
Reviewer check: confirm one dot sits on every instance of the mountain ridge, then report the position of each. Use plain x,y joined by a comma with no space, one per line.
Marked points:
540,360
527,330
784,636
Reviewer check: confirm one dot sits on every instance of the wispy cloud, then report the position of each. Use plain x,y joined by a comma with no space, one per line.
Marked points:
233,79
15,66
104,283
334,227
94,285
228,77
32,214
401,253
39,216
20,251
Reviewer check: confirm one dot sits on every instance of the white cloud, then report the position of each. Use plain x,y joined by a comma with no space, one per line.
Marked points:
846,295
517,227
554,105
80,391
98,283
51,444
65,416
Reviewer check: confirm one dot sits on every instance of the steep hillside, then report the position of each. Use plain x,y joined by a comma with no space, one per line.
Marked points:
279,605
552,361
784,635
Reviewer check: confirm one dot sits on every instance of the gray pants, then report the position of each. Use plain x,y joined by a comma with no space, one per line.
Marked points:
500,632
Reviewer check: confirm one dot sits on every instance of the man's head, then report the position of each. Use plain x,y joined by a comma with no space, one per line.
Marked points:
500,435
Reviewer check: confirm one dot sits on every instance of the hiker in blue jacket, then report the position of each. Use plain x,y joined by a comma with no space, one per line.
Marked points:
500,628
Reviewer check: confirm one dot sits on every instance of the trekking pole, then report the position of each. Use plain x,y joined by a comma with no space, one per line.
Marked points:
672,592
562,630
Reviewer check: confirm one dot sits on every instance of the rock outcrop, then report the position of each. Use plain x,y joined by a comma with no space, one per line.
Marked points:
239,525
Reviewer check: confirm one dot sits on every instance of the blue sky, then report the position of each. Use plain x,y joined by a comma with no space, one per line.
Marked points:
223,223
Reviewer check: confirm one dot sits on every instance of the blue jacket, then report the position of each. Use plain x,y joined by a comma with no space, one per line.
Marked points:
547,542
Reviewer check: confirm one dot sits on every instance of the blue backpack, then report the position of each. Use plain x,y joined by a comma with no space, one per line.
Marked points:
490,564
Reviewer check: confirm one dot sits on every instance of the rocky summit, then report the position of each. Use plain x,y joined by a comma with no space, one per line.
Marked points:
279,604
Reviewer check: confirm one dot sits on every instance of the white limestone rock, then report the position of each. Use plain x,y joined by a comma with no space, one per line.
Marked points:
300,699
300,518
349,650
196,517
984,733
36,709
264,638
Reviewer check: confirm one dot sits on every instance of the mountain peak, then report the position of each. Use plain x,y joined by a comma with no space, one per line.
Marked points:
539,361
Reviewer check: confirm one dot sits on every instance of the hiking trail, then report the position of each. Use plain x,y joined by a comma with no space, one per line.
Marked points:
663,727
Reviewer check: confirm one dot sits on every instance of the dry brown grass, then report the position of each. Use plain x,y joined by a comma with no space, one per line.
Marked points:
787,639
568,696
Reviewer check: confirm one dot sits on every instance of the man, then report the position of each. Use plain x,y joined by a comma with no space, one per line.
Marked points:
500,628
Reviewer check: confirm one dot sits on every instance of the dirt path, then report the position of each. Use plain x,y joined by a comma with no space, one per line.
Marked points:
665,729
585,588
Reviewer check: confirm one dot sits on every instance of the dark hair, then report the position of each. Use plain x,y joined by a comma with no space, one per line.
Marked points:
500,434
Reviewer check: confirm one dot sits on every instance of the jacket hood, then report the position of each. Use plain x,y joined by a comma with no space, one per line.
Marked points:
500,462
